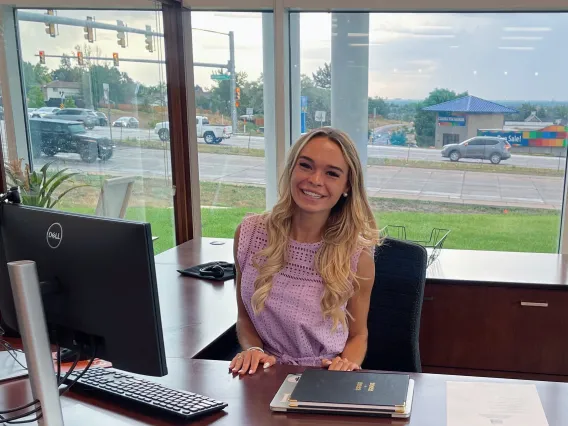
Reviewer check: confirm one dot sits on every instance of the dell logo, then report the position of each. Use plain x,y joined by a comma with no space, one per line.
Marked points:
54,235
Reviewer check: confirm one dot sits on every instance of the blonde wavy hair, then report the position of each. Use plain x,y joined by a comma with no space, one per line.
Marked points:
350,226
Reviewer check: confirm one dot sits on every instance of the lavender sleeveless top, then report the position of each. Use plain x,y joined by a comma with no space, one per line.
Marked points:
291,325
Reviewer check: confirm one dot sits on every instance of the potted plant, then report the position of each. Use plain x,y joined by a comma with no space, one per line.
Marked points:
38,188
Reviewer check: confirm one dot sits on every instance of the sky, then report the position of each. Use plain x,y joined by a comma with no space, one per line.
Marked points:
507,56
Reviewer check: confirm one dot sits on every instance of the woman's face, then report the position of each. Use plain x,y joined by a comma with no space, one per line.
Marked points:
320,176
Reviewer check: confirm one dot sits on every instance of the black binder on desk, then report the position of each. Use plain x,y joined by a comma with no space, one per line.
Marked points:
357,391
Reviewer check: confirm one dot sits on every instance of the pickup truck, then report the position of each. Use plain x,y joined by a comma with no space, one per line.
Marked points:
212,134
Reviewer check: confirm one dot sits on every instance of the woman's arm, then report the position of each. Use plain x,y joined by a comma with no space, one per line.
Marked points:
358,306
248,360
246,333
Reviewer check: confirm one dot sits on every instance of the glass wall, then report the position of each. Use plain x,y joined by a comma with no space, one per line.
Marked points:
230,117
96,103
461,117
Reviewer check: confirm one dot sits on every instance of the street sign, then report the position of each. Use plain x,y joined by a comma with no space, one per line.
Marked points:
106,92
250,111
304,103
220,77
320,116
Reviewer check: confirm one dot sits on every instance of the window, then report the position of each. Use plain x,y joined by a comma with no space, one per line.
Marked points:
231,149
448,139
405,85
87,72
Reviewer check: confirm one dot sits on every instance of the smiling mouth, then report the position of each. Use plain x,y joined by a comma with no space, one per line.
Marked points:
311,194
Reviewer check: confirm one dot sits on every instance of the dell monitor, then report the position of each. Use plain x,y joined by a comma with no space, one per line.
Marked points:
98,283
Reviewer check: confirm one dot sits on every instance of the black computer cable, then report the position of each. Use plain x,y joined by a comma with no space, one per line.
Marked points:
71,369
15,420
58,359
11,350
82,372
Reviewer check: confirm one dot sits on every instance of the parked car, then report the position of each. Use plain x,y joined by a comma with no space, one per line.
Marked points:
51,136
31,112
130,122
103,120
210,133
44,111
489,148
85,116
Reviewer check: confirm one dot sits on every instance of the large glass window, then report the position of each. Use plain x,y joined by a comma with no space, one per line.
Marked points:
460,117
229,92
96,102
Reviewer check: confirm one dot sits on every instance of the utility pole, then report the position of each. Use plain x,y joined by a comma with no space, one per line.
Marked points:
233,80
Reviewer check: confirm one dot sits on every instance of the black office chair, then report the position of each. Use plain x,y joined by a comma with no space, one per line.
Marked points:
396,305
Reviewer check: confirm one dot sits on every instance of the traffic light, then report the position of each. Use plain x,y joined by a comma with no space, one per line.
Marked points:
149,41
42,57
89,31
115,59
80,58
50,26
238,97
121,35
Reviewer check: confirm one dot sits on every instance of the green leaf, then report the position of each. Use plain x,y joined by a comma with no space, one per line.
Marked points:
51,205
57,183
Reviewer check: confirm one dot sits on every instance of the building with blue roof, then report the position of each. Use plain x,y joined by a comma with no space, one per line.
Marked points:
460,119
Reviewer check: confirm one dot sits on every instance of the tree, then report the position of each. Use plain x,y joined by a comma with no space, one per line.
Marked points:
35,75
378,106
66,72
425,121
35,97
318,100
69,103
121,87
221,94
322,76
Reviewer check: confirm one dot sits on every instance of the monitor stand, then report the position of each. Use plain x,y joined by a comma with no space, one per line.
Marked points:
33,329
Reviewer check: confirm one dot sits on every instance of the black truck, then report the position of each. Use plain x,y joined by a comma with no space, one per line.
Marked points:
50,136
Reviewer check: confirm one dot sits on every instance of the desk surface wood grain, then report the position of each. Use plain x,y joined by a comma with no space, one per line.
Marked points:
249,399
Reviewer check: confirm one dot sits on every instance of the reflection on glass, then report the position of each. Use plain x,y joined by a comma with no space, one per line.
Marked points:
230,117
462,118
93,106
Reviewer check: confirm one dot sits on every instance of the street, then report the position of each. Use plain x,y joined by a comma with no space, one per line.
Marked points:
454,186
373,151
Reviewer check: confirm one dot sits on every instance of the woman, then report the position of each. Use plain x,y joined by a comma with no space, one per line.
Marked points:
305,270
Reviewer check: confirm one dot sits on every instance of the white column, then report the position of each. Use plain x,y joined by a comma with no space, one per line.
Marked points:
276,60
269,89
295,77
350,77
15,115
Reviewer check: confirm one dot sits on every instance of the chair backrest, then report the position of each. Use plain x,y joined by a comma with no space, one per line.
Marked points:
396,305
114,197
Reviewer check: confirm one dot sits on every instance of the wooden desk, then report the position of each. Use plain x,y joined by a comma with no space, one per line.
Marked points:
472,319
195,313
496,313
527,270
249,399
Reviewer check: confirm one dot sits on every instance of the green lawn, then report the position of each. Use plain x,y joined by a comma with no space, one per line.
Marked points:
536,232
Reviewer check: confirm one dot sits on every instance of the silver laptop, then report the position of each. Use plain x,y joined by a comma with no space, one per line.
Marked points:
280,402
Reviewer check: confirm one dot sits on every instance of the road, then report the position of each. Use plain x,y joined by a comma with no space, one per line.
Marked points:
373,151
392,182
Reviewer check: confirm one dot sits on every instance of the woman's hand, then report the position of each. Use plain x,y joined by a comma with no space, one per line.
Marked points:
248,361
339,364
